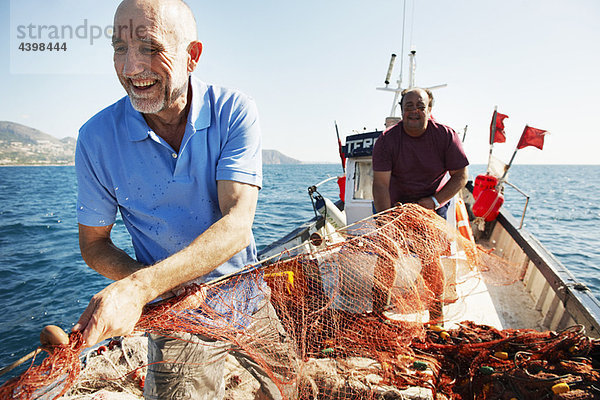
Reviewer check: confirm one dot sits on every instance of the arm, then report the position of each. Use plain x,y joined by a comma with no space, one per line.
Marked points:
116,309
381,190
99,252
458,180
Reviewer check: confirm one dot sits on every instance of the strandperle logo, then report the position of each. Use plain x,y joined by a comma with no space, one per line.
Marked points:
91,32
66,37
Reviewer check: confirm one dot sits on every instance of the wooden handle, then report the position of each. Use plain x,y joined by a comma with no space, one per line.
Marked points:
19,362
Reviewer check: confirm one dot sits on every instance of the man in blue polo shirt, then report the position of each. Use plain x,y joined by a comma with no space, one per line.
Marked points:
181,161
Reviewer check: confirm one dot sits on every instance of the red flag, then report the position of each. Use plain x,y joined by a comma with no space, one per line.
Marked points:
499,136
532,137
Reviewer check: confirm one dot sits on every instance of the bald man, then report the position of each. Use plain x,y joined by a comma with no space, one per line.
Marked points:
181,161
418,160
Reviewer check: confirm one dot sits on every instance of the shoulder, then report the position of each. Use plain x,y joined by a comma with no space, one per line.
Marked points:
104,121
391,133
441,128
443,134
386,143
223,99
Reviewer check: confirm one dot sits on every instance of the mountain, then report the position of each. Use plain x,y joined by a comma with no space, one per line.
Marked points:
23,145
275,157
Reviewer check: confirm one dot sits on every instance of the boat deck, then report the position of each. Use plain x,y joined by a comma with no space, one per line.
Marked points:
482,300
503,306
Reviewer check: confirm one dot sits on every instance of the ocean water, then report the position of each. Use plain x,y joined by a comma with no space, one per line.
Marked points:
43,279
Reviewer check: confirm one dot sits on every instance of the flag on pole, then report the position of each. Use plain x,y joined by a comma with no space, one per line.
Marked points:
497,135
532,137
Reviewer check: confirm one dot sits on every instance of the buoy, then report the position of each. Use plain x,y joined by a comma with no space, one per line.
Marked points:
436,328
487,205
419,365
483,182
560,388
53,335
486,370
101,350
445,335
501,355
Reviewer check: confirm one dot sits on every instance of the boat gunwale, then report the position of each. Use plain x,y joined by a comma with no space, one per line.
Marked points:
562,281
299,232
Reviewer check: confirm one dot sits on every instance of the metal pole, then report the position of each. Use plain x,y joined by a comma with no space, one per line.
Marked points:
508,166
342,159
412,72
389,72
526,202
492,135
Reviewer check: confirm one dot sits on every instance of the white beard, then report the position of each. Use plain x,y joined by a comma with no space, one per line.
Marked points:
153,105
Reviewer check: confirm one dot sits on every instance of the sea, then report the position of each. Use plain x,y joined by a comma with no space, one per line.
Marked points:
44,281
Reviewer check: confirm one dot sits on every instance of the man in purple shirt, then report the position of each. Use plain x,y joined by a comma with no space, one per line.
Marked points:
413,159
411,164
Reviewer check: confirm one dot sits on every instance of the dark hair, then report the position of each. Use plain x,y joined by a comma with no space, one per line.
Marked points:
406,91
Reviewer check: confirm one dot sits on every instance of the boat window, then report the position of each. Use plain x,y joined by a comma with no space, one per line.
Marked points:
363,180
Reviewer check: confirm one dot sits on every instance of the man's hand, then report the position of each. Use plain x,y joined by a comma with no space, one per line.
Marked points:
114,311
458,180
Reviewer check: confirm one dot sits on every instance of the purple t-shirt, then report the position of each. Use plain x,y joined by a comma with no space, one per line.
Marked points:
418,165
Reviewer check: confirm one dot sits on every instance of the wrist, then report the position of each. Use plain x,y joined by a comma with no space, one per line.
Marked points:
436,203
141,282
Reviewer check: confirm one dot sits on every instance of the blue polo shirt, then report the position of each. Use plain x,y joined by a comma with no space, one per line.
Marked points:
168,198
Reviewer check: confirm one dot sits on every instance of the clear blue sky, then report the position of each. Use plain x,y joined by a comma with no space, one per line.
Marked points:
312,62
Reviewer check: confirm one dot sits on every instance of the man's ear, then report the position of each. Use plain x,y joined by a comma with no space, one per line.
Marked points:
194,50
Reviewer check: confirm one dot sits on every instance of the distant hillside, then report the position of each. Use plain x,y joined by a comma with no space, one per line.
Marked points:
23,145
275,157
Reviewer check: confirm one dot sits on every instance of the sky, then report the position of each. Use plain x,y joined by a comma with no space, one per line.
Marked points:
311,63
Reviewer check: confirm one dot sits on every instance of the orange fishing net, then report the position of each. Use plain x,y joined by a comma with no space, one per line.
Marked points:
363,307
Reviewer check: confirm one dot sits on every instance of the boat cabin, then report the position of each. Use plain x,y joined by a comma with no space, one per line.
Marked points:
358,198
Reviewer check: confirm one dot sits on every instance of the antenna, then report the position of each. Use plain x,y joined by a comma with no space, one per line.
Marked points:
412,68
412,73
411,81
390,68
403,31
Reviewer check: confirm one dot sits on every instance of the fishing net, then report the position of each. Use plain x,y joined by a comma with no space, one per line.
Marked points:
363,309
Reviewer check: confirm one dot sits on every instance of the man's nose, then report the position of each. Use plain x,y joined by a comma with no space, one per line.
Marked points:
135,63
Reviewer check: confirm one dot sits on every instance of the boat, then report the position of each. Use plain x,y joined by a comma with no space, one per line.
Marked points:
323,277
551,295
538,294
